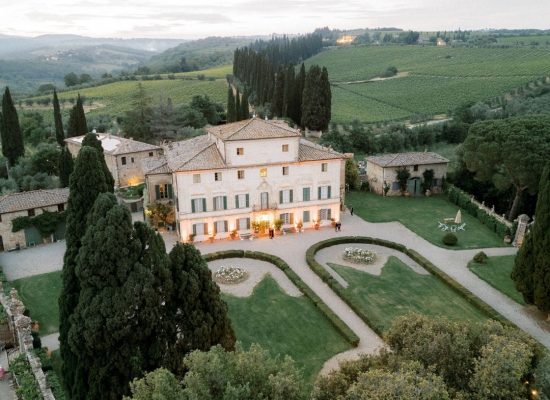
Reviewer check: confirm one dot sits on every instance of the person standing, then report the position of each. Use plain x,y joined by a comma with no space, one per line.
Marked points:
351,211
271,233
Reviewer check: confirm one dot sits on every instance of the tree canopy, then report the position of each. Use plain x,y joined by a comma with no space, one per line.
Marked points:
59,134
77,125
10,130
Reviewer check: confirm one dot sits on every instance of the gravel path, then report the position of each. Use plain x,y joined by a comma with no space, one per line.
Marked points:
32,261
50,341
257,270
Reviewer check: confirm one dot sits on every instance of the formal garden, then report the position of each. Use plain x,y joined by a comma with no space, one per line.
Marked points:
422,215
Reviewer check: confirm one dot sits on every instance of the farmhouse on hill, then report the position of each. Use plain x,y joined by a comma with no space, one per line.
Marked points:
123,156
30,204
382,170
244,175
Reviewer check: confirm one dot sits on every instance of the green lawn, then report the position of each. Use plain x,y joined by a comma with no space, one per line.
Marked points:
400,290
40,294
285,325
421,215
496,272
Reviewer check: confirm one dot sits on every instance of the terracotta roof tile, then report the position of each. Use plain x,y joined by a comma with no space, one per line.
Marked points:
254,128
33,199
116,145
310,151
406,159
196,153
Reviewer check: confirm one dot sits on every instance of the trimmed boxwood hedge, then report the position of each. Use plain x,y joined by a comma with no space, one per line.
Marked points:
334,285
348,334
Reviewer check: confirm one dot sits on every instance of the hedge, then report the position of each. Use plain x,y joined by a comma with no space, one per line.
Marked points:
27,387
463,200
348,334
334,285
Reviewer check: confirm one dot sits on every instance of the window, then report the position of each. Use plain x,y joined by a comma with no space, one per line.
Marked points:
285,148
220,203
164,191
395,186
60,207
196,178
415,167
285,170
306,194
324,214
324,167
243,224
242,201
123,160
240,174
200,229
240,151
285,196
264,200
220,227
30,212
263,172
287,218
306,217
198,205
217,176
150,154
132,159
323,192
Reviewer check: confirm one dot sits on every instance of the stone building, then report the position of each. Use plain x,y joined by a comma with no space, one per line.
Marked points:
124,157
383,170
29,204
246,172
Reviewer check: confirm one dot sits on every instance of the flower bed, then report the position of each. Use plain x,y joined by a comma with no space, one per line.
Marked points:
230,275
359,256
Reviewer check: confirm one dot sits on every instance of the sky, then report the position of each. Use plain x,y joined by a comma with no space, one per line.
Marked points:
184,19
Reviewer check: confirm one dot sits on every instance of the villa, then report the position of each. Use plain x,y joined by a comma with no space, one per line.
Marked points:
124,157
243,174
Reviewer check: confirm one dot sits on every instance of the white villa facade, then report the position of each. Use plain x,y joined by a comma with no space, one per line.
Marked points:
245,172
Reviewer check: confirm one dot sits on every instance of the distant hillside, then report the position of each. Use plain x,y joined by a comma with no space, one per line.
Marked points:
198,54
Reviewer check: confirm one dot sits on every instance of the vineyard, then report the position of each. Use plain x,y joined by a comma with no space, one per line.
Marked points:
433,79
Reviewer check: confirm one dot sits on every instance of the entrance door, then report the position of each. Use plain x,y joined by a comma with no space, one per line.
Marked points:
414,187
264,200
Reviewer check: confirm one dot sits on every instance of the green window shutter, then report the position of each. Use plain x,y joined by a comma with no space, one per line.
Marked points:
328,213
281,196
329,192
306,216
193,206
291,195
247,200
291,218
225,202
157,191
170,191
225,225
319,193
214,204
248,223
204,204
194,229
215,228
236,201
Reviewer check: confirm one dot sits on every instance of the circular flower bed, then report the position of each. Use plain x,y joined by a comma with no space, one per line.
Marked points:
230,275
359,256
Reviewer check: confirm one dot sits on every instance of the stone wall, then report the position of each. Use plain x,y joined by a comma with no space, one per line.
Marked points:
20,326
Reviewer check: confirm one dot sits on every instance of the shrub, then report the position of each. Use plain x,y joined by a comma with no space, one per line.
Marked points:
450,239
27,387
480,258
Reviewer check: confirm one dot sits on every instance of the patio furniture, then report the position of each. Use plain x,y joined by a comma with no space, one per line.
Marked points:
244,236
461,226
448,220
453,228
442,226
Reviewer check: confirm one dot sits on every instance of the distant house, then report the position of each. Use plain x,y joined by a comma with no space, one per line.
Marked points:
383,170
124,157
30,204
345,39
441,42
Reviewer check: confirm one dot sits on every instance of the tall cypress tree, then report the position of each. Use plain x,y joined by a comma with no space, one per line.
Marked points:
90,139
12,139
231,112
541,244
198,314
299,84
59,134
277,101
66,165
86,182
245,112
288,95
524,269
326,99
238,106
77,125
312,107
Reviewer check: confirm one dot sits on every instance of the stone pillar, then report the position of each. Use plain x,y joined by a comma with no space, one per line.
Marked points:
523,221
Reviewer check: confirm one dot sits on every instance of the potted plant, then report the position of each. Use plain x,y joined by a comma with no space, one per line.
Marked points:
316,224
233,234
299,226
278,223
191,238
333,222
255,226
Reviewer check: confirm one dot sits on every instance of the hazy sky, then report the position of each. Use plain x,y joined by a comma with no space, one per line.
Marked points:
200,18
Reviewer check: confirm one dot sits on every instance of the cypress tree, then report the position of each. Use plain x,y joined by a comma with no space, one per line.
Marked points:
278,94
198,314
12,139
238,106
231,112
59,134
90,139
326,99
524,269
124,270
288,95
245,113
299,84
312,107
541,244
86,182
77,120
66,165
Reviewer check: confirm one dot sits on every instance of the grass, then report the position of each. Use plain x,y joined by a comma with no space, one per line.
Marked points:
400,290
285,325
420,215
214,72
496,272
437,78
39,293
